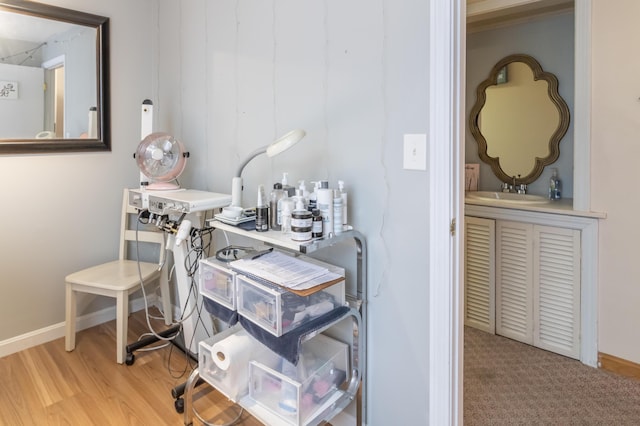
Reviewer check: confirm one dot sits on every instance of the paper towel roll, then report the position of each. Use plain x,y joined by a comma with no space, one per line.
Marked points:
233,350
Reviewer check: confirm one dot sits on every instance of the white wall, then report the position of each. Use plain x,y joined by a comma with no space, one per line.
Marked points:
60,212
22,117
234,75
550,40
615,152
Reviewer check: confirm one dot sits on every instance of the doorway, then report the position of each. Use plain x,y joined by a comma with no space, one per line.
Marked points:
54,96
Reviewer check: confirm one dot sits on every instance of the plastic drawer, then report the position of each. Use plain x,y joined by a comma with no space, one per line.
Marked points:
217,282
278,310
295,393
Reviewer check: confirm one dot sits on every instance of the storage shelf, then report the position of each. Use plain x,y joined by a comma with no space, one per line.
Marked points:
278,239
356,387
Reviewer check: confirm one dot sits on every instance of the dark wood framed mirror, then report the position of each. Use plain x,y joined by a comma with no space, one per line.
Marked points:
519,119
54,79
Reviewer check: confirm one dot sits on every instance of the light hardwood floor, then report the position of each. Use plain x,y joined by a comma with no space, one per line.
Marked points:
45,385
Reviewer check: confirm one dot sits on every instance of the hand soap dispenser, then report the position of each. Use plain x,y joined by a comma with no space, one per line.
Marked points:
554,186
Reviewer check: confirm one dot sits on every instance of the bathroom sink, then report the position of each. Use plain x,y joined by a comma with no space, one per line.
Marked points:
507,197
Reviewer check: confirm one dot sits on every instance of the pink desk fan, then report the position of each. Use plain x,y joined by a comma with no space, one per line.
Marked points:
160,156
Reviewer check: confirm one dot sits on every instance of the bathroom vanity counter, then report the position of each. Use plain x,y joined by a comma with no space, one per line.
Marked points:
560,207
548,252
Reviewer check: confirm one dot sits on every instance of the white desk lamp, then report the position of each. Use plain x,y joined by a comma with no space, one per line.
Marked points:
276,147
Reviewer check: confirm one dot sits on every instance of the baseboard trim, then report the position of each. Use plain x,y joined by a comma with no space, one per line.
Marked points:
56,331
618,365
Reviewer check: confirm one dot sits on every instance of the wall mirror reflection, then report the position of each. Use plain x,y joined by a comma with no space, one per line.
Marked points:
519,119
54,93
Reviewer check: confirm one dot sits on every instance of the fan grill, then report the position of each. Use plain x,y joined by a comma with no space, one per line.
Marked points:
161,157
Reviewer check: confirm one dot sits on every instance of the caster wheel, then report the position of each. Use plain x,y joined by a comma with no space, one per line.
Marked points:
129,359
179,404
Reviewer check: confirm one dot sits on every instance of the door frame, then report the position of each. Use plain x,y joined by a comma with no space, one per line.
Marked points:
447,45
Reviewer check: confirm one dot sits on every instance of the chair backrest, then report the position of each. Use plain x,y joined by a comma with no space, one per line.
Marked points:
144,233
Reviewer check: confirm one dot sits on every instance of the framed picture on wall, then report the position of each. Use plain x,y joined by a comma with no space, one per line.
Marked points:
8,90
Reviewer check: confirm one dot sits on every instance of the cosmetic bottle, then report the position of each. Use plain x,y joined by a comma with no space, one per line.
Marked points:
290,190
303,193
262,211
337,212
555,186
313,196
286,205
301,222
285,215
343,195
275,196
316,224
325,205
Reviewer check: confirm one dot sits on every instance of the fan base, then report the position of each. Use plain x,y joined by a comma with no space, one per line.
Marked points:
162,186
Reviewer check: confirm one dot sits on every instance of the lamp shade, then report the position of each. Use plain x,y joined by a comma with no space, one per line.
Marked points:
285,142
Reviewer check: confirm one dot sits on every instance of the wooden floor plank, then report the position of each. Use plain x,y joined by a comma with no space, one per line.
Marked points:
45,385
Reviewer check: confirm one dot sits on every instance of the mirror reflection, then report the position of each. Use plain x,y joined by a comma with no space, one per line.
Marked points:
519,119
53,79
37,57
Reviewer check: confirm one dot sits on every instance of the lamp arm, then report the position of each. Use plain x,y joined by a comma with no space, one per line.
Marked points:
250,157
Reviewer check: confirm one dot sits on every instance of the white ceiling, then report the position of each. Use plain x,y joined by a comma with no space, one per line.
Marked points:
15,26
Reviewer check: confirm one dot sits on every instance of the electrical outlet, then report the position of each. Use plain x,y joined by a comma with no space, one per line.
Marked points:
415,152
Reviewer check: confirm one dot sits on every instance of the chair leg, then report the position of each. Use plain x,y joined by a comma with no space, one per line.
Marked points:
122,320
70,318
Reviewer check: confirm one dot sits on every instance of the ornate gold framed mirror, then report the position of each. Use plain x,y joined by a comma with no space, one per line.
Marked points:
519,119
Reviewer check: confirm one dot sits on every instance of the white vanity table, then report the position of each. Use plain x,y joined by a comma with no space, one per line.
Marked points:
530,274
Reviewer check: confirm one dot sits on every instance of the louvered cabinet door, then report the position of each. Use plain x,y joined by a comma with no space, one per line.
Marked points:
514,280
479,273
557,293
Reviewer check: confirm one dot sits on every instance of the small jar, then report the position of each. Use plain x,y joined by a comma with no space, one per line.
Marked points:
316,224
301,223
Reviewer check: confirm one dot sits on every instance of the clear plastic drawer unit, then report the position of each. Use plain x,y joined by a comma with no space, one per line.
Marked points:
218,282
279,310
295,393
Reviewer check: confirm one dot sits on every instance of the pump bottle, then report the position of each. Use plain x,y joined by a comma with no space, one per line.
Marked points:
290,190
555,186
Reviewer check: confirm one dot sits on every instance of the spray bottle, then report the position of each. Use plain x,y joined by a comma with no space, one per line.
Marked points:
262,211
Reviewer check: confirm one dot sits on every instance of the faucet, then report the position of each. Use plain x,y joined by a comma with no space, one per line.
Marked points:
513,187
522,189
505,187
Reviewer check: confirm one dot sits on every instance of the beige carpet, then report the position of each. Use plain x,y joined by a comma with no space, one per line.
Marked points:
510,383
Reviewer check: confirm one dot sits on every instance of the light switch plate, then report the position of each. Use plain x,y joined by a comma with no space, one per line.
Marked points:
415,152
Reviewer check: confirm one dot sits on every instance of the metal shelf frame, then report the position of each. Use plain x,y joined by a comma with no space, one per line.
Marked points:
357,386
